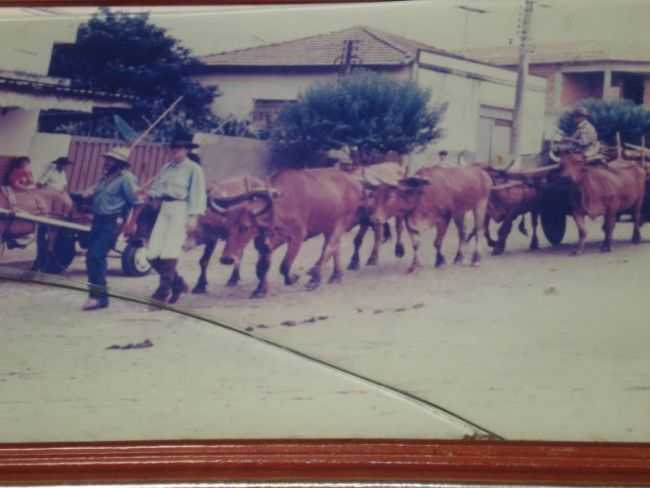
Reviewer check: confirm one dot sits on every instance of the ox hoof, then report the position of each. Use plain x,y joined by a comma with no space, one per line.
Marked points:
354,265
399,250
458,259
498,251
413,269
605,248
372,261
636,237
534,246
336,278
312,285
476,259
576,252
440,261
232,283
291,280
258,294
199,290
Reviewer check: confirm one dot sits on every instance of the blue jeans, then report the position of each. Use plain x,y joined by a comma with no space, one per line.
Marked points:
101,240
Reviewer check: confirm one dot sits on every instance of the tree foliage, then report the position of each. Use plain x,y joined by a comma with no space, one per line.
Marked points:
125,53
363,114
609,117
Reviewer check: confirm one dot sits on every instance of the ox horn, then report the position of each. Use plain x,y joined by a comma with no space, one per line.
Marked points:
533,172
216,207
225,202
553,157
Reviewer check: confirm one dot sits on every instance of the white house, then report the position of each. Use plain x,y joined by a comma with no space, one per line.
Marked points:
25,89
255,83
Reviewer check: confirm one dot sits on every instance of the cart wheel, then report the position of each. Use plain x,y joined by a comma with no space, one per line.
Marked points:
64,252
134,260
554,225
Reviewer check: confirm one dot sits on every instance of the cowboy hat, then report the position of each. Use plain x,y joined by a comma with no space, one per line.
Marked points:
119,154
184,142
62,161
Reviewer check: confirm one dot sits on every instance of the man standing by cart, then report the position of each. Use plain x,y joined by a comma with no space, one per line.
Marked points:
112,198
180,187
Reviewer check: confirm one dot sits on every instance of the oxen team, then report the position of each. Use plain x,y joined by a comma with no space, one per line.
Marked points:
296,205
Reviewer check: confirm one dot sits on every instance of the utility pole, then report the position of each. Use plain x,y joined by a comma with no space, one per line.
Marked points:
522,75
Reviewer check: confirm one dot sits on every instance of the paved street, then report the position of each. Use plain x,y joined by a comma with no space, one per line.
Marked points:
536,345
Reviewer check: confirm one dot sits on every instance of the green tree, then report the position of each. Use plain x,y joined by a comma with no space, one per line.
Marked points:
363,114
609,117
125,53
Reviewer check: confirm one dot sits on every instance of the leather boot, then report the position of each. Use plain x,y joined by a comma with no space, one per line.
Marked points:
178,285
155,264
167,271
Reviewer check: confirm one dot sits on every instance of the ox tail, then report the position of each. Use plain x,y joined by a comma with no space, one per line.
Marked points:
522,226
471,235
488,237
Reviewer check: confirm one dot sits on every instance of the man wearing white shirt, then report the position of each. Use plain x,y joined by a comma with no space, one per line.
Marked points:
54,177
180,187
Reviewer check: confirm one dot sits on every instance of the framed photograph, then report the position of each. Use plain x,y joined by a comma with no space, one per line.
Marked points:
329,243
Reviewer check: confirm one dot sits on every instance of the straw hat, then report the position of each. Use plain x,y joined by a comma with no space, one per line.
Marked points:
119,154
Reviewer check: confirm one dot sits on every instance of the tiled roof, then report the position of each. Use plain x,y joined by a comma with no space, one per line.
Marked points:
376,48
577,52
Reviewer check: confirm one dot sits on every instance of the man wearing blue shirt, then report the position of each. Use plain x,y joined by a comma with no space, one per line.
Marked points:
112,199
180,187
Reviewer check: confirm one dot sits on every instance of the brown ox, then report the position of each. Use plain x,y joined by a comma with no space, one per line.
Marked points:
212,226
371,177
42,202
433,197
604,190
510,199
298,205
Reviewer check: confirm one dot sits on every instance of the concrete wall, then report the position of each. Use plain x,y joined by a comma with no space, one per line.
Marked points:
45,148
548,72
223,157
16,130
578,86
239,90
468,87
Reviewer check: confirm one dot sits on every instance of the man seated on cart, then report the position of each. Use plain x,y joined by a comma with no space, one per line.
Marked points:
585,136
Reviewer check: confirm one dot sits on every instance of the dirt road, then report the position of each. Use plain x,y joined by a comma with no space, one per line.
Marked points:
536,345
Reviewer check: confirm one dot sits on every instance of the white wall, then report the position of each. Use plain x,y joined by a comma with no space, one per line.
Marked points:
45,148
239,90
26,45
465,94
16,130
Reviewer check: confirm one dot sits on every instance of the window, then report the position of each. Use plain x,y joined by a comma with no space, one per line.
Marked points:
265,111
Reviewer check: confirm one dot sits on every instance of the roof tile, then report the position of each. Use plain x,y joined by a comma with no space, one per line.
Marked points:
375,48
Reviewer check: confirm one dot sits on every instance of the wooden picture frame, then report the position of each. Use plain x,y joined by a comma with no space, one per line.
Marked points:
481,462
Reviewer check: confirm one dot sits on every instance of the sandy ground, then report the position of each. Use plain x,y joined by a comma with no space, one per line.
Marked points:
531,345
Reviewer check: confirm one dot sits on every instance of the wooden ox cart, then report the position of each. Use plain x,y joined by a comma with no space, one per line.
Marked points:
556,195
56,257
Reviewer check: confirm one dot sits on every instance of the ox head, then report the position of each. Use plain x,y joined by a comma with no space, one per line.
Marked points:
245,216
394,200
571,164
212,225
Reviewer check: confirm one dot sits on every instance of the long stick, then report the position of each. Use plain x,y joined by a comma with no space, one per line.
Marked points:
45,220
619,149
150,128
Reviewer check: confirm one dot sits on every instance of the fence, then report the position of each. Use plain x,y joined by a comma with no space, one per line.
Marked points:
86,153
